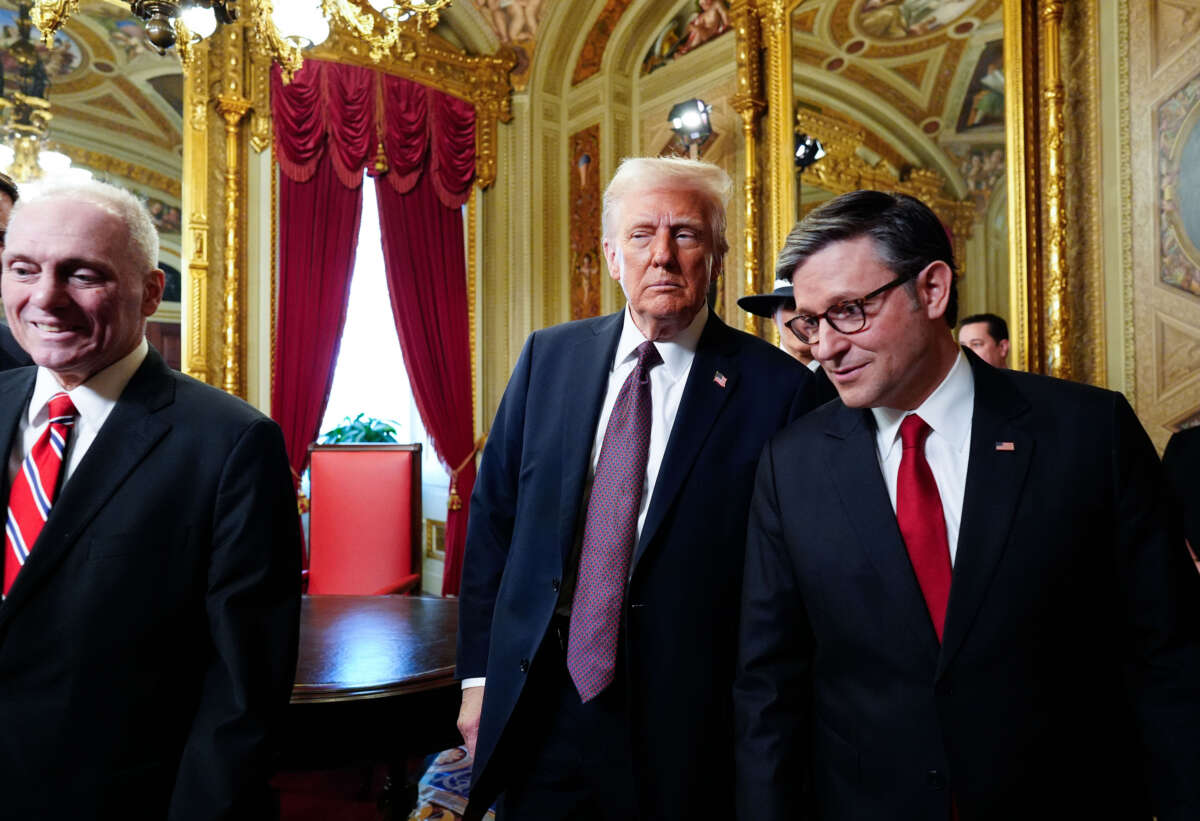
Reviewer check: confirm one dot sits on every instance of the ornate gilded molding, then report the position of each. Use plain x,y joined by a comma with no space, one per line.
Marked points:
1021,131
775,16
1126,187
233,109
120,168
1057,317
749,104
195,209
472,290
428,59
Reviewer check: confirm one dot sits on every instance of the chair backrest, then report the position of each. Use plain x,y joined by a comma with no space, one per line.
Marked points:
365,519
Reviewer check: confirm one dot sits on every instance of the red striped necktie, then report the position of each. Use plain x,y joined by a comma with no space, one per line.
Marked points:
35,487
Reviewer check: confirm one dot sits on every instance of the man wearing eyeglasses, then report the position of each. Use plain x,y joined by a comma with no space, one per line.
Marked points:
964,596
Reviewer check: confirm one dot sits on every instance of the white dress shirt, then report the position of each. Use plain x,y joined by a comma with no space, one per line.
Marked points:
667,382
93,400
948,412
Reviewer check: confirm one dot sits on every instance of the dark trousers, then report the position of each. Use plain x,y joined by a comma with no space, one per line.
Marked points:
577,759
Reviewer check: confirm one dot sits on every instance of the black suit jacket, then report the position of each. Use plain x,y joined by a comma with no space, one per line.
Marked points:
1181,460
680,608
1068,682
11,354
148,645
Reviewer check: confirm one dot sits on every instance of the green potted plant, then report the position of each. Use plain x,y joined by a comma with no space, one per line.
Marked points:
361,428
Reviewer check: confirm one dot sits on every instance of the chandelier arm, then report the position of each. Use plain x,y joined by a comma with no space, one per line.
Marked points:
49,16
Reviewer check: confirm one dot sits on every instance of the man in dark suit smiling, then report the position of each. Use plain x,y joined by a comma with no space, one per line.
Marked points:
148,630
604,552
964,595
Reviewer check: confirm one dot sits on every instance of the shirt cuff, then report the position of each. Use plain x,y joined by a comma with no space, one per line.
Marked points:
468,683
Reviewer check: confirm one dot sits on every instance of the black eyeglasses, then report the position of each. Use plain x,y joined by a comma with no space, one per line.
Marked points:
847,317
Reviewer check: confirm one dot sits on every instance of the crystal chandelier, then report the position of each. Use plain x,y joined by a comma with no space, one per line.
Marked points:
287,26
25,112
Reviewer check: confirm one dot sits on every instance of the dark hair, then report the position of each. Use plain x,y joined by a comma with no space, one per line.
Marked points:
7,186
997,328
908,237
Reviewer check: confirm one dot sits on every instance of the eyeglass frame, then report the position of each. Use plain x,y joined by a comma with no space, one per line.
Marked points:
859,303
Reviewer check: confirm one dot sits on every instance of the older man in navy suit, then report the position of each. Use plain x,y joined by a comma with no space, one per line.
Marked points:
964,595
604,551
149,626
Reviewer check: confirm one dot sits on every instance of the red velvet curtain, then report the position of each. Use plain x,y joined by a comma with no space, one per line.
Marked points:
331,122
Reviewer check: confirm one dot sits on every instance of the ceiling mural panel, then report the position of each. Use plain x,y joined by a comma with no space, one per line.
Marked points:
516,24
114,100
691,28
592,53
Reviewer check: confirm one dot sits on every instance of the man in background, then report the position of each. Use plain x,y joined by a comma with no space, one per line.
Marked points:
151,560
603,564
986,335
779,307
11,355
965,595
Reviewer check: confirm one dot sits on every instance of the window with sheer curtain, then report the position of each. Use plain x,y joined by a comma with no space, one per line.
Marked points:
369,376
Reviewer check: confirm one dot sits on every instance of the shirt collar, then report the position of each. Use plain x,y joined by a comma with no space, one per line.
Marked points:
95,396
676,353
947,411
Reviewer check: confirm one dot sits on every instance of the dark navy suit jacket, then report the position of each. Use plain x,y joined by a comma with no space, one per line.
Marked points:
11,354
148,646
681,604
1068,681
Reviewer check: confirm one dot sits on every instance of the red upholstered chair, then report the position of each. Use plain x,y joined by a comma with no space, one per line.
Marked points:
365,518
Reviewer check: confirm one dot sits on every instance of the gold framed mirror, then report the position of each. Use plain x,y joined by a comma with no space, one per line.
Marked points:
948,100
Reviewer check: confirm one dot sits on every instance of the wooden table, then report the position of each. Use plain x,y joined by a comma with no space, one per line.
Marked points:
366,647
374,680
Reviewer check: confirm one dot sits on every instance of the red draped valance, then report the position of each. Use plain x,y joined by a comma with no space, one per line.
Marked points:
360,117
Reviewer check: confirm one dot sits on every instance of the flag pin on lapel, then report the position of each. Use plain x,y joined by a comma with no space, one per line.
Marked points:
1006,446
720,379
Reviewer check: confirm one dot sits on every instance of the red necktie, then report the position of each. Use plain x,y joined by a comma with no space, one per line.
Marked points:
609,533
922,522
35,487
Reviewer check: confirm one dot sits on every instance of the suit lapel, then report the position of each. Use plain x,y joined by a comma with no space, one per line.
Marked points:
128,434
995,481
703,397
590,361
14,400
852,459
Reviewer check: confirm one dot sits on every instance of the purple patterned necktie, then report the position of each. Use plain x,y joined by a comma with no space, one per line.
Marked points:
609,532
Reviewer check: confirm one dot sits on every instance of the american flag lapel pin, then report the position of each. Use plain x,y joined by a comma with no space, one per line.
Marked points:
720,379
1007,447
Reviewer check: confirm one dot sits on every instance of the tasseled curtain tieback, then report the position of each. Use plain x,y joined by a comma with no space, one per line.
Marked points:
455,501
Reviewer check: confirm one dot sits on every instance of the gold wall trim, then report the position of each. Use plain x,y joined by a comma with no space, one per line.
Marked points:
472,286
107,164
1020,136
233,109
781,196
1057,316
1126,187
195,211
748,102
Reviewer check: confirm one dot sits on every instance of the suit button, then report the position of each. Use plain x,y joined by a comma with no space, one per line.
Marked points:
936,780
555,583
524,665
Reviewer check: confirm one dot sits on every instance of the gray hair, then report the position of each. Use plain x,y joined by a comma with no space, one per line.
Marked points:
647,173
908,236
130,209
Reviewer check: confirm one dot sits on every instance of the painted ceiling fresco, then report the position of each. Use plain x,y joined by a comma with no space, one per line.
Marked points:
116,103
935,64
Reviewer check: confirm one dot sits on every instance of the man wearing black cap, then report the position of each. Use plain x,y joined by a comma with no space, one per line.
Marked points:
11,354
780,306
